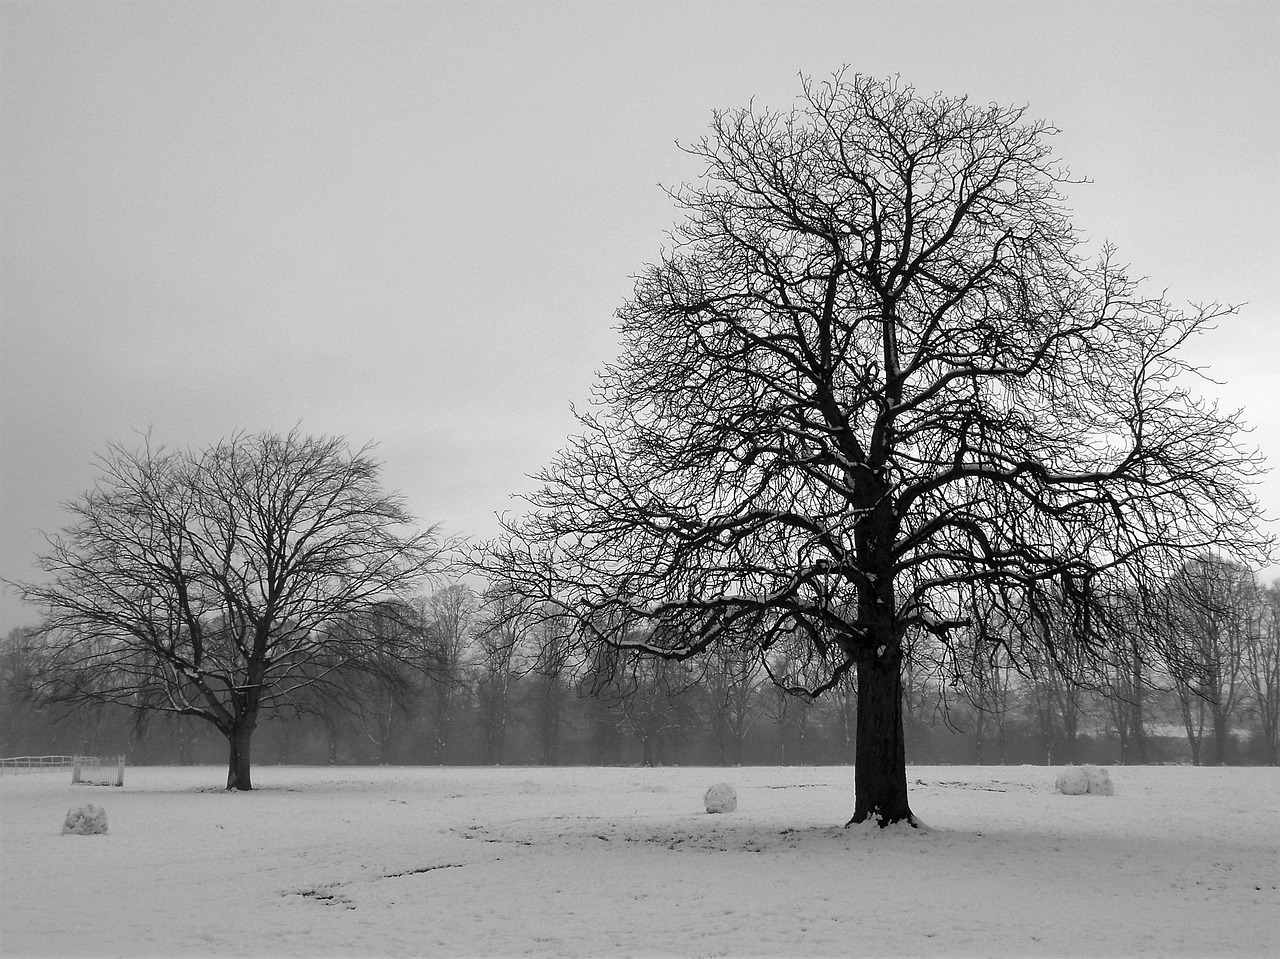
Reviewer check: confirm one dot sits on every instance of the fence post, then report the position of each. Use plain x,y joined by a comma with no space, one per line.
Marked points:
75,769
120,770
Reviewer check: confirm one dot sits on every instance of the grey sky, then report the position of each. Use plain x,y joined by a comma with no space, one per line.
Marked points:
411,223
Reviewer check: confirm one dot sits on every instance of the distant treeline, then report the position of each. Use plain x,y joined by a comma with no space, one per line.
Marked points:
523,701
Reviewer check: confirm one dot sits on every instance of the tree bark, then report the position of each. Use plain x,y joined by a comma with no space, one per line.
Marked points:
238,768
880,764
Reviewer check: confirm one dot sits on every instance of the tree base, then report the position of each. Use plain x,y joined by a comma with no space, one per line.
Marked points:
883,821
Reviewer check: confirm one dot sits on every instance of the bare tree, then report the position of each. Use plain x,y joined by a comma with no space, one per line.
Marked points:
450,615
1127,682
643,695
978,663
221,583
731,675
495,671
788,703
383,691
20,667
872,374
550,670
1262,666
1212,609
844,695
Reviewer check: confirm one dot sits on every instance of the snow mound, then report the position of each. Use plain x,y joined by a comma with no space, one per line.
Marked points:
86,820
721,798
1084,780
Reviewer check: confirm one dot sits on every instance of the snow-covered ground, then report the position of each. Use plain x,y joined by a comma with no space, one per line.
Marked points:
574,862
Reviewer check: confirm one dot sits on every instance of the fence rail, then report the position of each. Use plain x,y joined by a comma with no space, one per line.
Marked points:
35,764
96,766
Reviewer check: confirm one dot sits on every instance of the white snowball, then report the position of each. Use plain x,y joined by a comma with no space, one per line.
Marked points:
1073,781
1082,780
721,798
86,820
1099,782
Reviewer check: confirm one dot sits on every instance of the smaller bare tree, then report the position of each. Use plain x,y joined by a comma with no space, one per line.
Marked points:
221,583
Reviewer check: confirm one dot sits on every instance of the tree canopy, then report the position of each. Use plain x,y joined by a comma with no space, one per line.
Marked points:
874,383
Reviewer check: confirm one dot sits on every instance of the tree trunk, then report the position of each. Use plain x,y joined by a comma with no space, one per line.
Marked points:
1221,736
185,732
1194,734
1070,725
238,767
880,763
549,708
979,732
1137,734
721,727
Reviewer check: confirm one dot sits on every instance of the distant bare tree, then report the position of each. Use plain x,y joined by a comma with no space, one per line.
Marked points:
383,691
497,642
642,693
979,664
550,671
1212,610
844,696
731,676
450,616
222,583
1127,681
20,667
1262,666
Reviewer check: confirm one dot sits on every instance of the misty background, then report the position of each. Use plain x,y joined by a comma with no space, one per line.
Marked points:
411,223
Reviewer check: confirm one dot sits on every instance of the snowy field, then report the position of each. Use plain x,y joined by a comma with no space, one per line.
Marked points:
590,862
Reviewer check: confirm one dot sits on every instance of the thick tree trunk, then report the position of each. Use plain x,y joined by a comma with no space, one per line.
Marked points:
880,764
238,768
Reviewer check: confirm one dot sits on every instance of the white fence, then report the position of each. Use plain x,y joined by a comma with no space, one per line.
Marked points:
89,770
35,764
97,771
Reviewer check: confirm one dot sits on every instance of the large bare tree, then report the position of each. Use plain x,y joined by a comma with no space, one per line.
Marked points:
220,583
873,374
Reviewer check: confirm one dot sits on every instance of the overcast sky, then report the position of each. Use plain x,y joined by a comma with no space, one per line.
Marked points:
411,223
